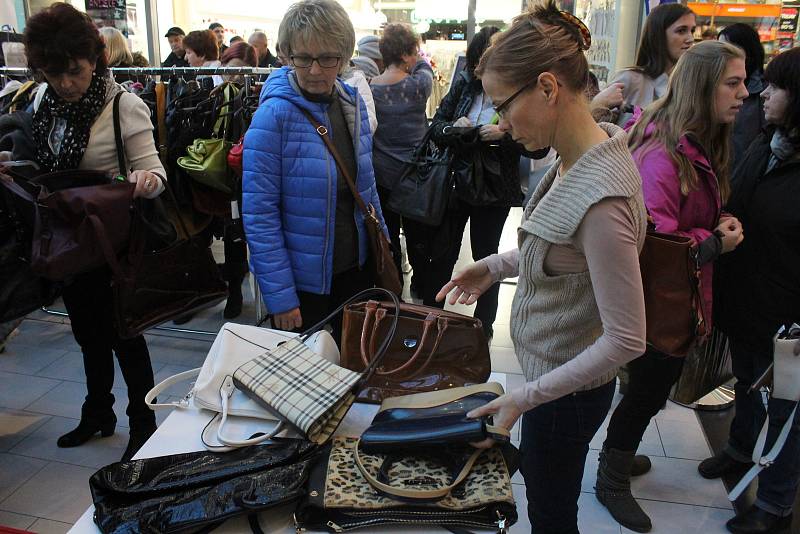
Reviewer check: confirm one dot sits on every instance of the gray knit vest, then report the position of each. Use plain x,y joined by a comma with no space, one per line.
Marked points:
554,318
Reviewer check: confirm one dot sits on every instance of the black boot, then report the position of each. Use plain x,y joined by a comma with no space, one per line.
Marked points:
138,437
758,521
233,307
641,465
87,428
722,464
613,490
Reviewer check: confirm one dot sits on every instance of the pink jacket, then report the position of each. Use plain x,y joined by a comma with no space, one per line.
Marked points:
695,215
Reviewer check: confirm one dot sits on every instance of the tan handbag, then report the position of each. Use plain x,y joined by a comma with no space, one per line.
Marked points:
432,349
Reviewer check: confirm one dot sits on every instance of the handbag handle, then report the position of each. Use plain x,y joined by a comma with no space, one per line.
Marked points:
370,369
409,494
377,315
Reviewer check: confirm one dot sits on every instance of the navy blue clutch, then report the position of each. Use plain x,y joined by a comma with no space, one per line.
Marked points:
433,419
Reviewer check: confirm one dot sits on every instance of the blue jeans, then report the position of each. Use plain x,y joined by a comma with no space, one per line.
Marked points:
555,441
777,485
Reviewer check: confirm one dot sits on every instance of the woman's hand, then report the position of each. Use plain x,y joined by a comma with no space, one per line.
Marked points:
611,97
505,412
731,233
467,285
288,321
146,183
491,132
462,122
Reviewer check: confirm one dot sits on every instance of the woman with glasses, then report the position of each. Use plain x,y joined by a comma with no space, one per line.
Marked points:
401,95
578,312
307,238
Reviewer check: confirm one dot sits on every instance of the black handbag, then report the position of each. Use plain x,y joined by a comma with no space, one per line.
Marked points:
197,491
423,190
340,499
433,419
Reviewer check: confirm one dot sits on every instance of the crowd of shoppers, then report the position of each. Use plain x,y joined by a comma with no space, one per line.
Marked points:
699,139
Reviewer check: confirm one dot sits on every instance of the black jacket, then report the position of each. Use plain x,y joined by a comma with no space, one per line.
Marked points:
750,119
500,158
173,60
757,286
269,61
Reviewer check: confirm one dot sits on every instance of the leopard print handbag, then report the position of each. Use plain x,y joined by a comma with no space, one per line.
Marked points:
340,499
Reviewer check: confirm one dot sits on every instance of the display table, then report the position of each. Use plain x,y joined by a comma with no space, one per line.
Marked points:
180,432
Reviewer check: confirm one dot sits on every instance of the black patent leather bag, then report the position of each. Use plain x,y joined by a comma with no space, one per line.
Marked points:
195,491
427,421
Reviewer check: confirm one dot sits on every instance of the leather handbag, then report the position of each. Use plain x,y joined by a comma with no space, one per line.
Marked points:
310,393
434,419
384,269
423,190
198,491
784,374
21,290
432,349
152,287
671,282
340,498
213,388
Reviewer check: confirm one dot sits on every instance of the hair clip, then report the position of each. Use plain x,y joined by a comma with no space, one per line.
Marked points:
585,33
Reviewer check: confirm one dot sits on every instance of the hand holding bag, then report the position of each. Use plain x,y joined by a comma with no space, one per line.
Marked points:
785,373
424,421
433,349
213,388
310,393
384,269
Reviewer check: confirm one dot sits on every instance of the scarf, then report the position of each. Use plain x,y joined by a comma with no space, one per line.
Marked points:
61,129
783,149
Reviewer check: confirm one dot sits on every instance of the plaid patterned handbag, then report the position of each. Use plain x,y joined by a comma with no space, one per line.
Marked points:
310,393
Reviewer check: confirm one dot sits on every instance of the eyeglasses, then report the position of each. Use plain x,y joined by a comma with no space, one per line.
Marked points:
325,62
503,107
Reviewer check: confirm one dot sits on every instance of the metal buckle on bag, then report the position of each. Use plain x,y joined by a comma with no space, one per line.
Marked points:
322,130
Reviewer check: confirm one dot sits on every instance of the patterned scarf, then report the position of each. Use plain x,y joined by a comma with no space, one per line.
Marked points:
61,129
783,149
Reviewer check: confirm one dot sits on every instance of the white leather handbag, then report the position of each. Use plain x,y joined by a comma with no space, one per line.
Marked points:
213,388
785,371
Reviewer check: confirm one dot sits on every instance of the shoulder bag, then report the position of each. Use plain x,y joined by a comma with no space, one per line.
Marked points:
423,190
671,282
432,349
384,269
784,373
308,392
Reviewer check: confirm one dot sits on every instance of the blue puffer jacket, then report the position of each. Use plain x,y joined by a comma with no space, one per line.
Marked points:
289,185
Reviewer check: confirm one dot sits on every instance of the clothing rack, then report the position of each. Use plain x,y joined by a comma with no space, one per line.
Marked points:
133,71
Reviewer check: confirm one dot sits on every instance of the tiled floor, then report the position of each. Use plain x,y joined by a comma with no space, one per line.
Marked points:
45,489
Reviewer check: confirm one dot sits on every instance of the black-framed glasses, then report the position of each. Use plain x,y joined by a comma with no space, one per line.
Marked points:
503,106
325,62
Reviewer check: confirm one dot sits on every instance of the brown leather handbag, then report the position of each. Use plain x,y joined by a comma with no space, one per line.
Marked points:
384,269
433,349
671,281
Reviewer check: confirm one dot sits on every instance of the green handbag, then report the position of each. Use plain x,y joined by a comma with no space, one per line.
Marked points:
206,160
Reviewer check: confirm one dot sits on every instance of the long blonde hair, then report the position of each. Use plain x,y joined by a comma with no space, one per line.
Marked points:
116,47
687,109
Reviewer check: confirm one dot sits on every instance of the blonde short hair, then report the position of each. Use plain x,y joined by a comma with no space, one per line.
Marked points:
116,47
324,22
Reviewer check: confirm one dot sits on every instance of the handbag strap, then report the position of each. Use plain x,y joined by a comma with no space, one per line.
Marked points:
412,494
762,461
370,369
123,172
323,133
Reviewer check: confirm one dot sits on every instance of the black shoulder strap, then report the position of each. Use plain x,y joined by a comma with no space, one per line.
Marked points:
123,171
